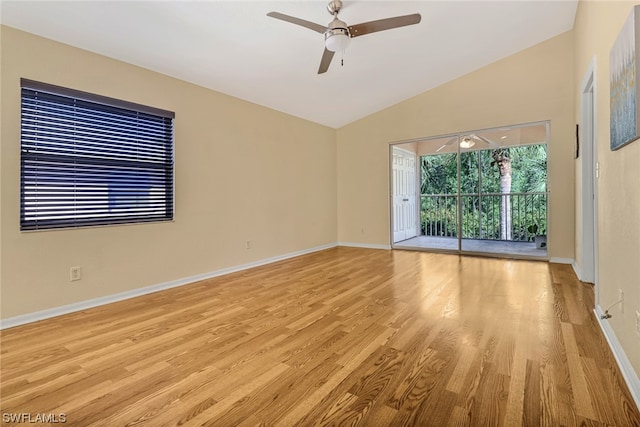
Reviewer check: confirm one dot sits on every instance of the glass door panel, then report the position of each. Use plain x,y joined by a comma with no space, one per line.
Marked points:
438,194
510,199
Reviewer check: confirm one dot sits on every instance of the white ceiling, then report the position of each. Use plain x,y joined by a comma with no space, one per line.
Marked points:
234,48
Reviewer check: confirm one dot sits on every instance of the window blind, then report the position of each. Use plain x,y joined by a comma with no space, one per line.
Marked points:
90,160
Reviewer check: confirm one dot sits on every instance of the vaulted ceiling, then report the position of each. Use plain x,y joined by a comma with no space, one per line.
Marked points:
234,48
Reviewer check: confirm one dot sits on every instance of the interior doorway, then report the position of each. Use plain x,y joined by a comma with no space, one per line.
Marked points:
479,192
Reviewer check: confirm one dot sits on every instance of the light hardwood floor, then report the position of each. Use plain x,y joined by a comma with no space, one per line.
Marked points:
344,336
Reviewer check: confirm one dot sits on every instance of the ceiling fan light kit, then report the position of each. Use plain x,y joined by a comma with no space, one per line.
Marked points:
337,34
336,39
467,143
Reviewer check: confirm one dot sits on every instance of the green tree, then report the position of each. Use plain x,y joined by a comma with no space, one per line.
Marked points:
502,160
482,214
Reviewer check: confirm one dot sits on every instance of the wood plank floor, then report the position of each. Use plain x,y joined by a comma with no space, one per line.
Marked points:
344,336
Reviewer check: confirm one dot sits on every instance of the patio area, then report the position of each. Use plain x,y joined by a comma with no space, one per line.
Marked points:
490,247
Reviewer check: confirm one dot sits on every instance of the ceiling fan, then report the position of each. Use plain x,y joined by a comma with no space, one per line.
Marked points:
469,141
337,33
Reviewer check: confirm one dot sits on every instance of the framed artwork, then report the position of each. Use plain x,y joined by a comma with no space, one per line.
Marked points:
623,81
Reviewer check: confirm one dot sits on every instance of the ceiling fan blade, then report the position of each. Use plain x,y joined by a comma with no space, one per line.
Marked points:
383,24
449,142
292,19
327,56
486,141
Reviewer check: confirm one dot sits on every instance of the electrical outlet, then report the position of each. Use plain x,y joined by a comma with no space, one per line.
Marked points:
248,244
621,298
638,322
75,274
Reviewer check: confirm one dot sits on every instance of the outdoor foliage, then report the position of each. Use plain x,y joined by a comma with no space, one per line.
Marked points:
481,197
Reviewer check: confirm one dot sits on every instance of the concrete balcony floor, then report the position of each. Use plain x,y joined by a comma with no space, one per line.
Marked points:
490,247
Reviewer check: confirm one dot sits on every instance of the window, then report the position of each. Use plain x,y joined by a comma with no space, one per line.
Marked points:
90,160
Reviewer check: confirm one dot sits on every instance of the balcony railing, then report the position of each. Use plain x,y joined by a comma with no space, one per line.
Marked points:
490,216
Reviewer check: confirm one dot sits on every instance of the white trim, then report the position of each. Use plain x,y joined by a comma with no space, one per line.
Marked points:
84,305
562,260
364,245
628,373
576,269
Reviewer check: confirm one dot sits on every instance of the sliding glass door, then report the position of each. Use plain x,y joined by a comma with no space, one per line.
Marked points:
484,192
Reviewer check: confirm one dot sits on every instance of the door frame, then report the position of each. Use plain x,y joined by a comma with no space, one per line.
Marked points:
588,269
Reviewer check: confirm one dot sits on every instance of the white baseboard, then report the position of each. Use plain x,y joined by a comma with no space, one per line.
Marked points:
84,305
364,245
561,260
577,270
628,373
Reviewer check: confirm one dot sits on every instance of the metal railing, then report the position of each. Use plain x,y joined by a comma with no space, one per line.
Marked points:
488,216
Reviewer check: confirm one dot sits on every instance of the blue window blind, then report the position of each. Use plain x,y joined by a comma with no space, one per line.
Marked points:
90,160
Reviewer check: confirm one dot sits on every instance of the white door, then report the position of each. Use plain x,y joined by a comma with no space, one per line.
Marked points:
405,209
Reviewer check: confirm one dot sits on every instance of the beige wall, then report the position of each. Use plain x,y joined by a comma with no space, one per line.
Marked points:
243,172
533,85
597,26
